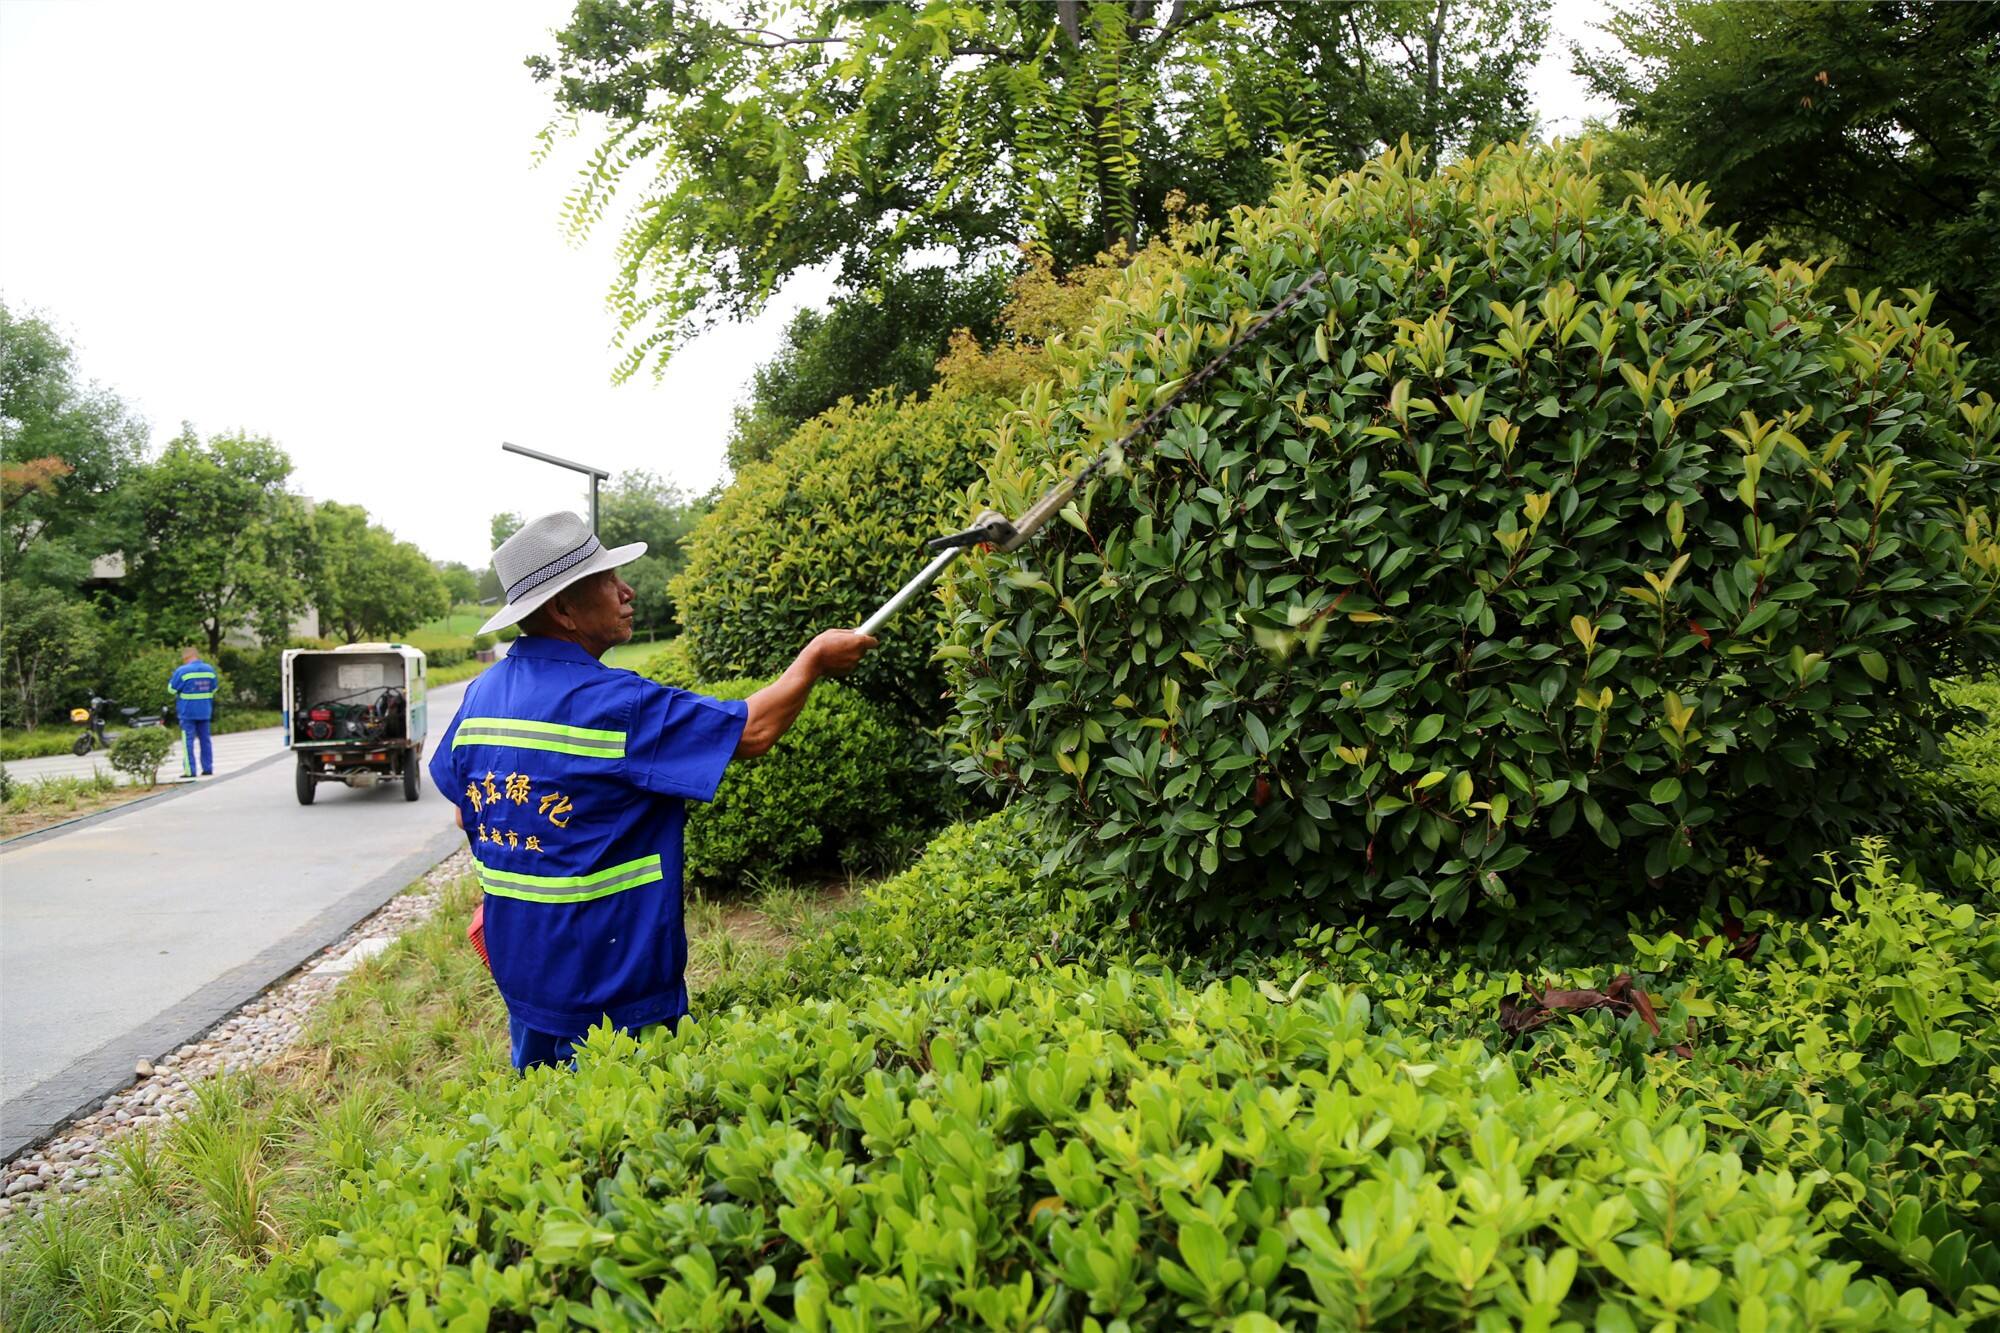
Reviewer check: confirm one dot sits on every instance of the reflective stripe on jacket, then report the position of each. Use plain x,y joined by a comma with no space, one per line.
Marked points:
193,686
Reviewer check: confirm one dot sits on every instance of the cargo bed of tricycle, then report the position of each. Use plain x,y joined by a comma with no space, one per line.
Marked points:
356,715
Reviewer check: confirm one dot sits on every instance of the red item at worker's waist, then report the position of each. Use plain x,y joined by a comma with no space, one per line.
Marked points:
475,931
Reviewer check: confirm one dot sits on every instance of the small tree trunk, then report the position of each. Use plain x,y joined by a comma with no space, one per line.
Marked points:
1433,39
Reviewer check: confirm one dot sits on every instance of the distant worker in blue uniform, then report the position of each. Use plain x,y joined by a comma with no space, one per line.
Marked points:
193,687
572,779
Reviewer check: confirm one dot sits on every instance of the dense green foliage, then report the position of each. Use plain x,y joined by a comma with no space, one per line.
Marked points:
139,753
50,651
1548,533
889,337
672,665
461,583
225,546
823,533
981,895
1354,1136
1974,751
66,450
759,138
1870,132
844,773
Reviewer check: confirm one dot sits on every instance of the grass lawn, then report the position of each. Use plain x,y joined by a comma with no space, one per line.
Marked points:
39,742
46,801
463,622
633,655
261,1161
451,675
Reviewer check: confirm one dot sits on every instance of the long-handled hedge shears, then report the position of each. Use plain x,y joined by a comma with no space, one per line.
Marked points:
1001,533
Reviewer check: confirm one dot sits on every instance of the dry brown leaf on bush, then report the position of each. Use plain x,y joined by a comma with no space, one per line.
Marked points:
1525,1013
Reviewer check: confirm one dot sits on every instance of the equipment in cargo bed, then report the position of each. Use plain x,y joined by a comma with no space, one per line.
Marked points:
356,716
363,715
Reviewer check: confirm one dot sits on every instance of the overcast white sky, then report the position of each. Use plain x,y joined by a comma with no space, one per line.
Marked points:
322,224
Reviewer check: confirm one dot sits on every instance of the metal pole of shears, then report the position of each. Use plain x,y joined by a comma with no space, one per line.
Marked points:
909,591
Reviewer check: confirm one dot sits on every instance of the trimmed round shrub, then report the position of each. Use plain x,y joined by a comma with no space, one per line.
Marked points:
1550,538
139,753
673,665
820,535
844,772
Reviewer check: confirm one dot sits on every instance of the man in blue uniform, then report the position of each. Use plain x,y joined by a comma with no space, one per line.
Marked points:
571,780
193,687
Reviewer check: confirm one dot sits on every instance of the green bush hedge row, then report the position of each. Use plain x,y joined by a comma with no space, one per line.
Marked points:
1972,753
1350,1139
844,774
981,895
847,778
824,531
1552,530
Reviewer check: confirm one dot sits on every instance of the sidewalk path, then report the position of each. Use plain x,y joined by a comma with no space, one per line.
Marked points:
233,753
124,935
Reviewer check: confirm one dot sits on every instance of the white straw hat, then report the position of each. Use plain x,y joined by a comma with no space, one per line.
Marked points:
545,557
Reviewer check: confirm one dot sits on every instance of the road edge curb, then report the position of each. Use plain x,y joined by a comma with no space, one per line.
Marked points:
34,1117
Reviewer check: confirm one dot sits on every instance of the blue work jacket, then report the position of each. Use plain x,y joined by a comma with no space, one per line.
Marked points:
193,687
572,778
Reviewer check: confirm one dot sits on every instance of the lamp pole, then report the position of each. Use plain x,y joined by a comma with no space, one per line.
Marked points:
596,474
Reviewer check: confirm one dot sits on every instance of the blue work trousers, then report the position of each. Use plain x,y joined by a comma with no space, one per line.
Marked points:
530,1049
195,733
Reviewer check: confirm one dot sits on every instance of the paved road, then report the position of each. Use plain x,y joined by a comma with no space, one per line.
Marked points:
124,935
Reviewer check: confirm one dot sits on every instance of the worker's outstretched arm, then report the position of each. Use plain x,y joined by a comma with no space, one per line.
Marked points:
774,708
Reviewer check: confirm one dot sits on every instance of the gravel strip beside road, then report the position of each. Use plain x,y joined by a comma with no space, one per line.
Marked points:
254,1035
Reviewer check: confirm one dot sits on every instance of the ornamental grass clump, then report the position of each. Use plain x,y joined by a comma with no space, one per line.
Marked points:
1551,539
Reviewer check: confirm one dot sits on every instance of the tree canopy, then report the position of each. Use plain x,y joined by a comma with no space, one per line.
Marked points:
366,584
226,546
1870,132
461,581
66,447
768,136
640,507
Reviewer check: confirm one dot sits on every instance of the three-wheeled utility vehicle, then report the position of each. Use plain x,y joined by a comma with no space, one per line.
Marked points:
355,715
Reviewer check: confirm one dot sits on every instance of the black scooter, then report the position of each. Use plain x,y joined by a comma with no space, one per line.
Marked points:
92,719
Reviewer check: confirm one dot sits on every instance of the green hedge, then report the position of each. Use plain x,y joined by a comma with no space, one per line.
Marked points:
673,665
821,535
845,775
1554,541
1973,753
981,895
1350,1138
